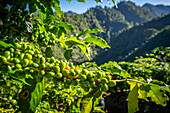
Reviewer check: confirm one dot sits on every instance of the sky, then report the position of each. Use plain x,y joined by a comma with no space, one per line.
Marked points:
79,7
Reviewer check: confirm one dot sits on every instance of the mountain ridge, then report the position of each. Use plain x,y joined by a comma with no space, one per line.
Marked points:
133,38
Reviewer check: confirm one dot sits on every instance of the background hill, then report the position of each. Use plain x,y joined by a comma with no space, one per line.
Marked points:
131,39
134,13
157,10
160,39
111,20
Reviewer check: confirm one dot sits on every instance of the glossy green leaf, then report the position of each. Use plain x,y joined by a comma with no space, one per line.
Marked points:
111,65
157,95
74,40
67,54
96,41
48,52
38,19
124,74
25,95
41,11
5,45
66,26
89,31
133,100
69,1
57,8
81,1
85,49
61,32
36,95
19,79
2,82
166,89
98,1
91,100
114,3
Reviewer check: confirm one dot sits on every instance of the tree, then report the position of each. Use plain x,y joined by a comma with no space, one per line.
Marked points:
35,82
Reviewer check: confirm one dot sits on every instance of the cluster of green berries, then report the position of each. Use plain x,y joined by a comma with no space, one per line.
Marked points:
28,60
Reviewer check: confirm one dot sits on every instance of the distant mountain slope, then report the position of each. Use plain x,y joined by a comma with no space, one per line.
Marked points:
157,10
160,39
132,38
106,19
134,13
111,20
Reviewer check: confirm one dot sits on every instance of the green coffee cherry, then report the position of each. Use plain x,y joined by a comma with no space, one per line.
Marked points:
11,50
65,72
99,74
62,65
71,65
84,71
72,73
42,60
58,75
49,67
24,46
25,62
3,59
18,66
83,77
17,53
111,83
7,53
31,52
90,75
16,60
104,80
35,65
21,56
109,77
51,74
105,87
77,71
17,46
56,69
28,56
42,72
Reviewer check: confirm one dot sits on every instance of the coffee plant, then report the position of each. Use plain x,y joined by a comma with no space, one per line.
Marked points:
32,81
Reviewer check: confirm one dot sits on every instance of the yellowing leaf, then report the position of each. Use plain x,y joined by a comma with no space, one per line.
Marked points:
133,100
157,95
86,105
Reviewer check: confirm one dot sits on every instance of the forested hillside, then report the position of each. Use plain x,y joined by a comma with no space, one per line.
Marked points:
111,20
157,10
160,39
133,13
131,39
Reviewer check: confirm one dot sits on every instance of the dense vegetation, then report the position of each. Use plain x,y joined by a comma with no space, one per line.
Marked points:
153,67
33,80
158,10
148,35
